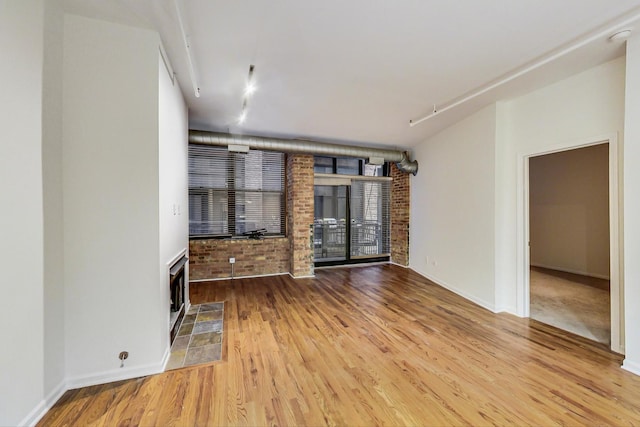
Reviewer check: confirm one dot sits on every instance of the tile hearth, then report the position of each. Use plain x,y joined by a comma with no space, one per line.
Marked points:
199,338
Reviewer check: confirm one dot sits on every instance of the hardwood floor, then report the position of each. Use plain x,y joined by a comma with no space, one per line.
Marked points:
369,346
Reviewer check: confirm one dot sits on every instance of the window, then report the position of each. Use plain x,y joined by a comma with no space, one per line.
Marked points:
323,164
370,218
234,193
348,166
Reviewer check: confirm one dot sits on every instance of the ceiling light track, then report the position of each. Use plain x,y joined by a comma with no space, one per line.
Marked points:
187,46
249,90
605,33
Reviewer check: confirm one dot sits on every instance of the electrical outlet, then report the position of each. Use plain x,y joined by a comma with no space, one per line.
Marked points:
232,260
123,355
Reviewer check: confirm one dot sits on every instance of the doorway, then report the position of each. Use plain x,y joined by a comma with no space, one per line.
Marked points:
523,233
569,241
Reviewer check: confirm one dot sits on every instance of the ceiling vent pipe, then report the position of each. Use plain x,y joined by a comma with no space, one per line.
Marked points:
401,158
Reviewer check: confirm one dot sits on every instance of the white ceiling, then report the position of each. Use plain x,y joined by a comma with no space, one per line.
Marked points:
357,71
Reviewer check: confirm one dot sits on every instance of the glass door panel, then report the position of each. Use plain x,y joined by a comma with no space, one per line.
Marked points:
330,223
370,218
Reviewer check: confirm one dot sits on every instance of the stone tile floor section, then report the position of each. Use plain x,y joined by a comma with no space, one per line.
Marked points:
199,338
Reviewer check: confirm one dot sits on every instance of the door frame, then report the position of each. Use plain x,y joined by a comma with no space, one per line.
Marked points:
615,250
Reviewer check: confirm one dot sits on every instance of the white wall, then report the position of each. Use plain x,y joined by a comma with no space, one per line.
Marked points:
452,208
632,207
569,211
578,109
505,221
53,212
81,185
465,214
111,201
587,104
21,216
173,182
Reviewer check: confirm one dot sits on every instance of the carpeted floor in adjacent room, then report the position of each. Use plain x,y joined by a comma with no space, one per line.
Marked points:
574,303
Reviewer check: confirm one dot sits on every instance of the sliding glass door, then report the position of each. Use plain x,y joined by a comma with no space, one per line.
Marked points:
351,222
330,223
369,219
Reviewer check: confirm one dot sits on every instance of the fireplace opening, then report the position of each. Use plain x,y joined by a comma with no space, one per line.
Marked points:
177,292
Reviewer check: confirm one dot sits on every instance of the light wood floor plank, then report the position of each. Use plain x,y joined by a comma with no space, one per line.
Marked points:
369,346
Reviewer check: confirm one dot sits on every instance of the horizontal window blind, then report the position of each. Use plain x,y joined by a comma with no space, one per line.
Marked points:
235,193
370,218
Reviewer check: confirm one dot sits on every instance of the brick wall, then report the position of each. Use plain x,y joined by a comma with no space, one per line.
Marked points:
209,259
400,207
300,213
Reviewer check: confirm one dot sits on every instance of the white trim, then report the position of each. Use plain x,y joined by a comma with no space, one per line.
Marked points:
484,304
118,374
347,178
167,64
399,265
180,254
167,351
506,309
44,406
523,261
193,75
301,277
633,367
569,270
238,277
360,264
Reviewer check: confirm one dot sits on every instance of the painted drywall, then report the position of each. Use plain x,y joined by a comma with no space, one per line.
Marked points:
111,201
54,368
632,207
506,294
569,211
452,208
580,108
21,216
173,184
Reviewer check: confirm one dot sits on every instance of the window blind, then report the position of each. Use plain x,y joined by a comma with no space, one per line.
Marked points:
370,218
235,193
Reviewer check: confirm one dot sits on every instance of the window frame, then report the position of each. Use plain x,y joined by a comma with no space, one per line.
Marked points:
335,168
231,192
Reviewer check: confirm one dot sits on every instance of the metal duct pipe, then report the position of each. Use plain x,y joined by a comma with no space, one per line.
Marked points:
401,158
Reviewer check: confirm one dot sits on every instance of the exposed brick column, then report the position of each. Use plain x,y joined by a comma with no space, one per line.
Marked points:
300,213
400,208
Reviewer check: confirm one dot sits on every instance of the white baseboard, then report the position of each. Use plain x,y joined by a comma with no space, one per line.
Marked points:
167,351
455,290
633,367
43,407
357,265
301,277
568,270
117,374
508,310
85,381
237,277
399,265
